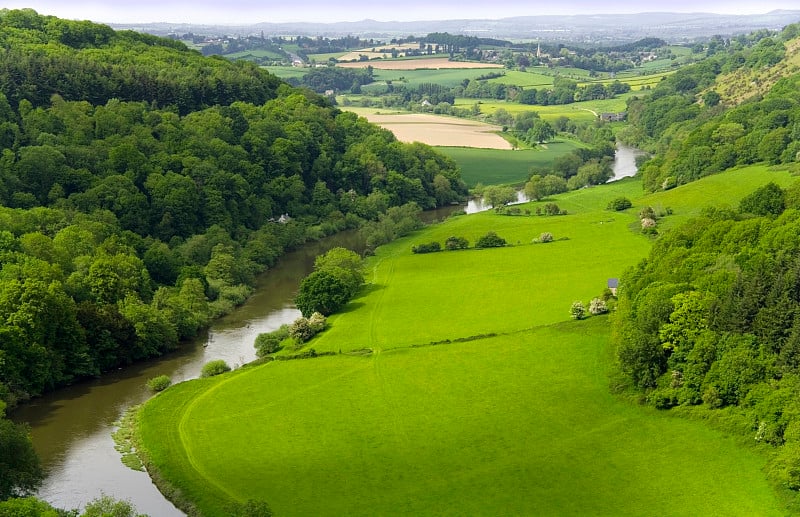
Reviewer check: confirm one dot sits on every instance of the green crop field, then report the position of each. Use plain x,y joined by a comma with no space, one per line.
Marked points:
508,414
524,79
287,72
494,166
444,77
248,54
577,111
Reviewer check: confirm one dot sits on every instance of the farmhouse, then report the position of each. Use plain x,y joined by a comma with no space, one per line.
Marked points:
614,117
613,283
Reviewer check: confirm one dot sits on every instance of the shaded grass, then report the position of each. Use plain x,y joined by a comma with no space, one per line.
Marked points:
512,425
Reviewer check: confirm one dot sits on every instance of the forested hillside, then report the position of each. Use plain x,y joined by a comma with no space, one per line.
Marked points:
696,124
141,186
712,320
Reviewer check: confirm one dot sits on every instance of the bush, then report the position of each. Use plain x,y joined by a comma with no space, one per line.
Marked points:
270,342
577,311
619,204
303,329
597,306
553,209
546,237
159,383
647,213
490,240
431,247
215,367
456,243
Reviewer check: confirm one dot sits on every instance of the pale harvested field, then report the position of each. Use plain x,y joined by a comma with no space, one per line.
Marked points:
416,64
440,131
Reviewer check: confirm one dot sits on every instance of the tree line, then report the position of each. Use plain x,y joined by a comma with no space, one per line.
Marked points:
711,321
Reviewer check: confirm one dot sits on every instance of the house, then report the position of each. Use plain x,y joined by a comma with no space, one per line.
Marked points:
614,117
613,283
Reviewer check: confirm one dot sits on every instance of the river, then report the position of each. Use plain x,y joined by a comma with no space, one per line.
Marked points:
71,428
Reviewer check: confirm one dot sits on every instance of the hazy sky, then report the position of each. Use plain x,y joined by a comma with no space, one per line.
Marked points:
253,11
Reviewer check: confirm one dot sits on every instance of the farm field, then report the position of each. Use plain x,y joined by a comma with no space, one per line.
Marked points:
450,77
416,64
576,111
287,72
495,167
515,420
438,130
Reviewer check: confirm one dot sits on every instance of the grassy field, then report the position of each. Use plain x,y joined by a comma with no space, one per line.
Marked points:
287,72
512,425
509,415
576,111
493,167
450,78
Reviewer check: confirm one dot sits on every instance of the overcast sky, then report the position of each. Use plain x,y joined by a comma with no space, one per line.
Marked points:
253,11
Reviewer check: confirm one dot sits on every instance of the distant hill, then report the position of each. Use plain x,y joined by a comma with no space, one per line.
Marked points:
611,29
745,83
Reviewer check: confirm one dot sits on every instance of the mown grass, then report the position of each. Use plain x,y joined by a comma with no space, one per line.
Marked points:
517,420
498,167
512,425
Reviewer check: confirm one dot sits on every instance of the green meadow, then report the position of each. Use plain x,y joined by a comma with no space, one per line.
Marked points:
503,167
444,77
586,110
463,388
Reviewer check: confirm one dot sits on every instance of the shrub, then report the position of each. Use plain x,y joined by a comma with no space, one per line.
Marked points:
270,342
577,311
546,237
303,329
597,306
215,367
490,240
159,383
619,204
317,322
647,213
553,209
456,243
430,247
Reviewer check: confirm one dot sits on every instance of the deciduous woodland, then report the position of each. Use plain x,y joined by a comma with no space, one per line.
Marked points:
141,186
144,186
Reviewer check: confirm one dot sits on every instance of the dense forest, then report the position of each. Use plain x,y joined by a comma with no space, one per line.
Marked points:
712,320
695,127
143,186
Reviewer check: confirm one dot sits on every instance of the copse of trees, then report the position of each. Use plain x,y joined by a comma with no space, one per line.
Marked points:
337,277
710,319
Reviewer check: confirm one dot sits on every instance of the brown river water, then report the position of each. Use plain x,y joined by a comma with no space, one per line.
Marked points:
71,428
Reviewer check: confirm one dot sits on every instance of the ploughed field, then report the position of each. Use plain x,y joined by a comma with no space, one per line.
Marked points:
463,388
440,131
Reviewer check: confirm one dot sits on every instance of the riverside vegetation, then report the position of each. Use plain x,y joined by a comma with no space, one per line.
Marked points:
463,361
138,204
